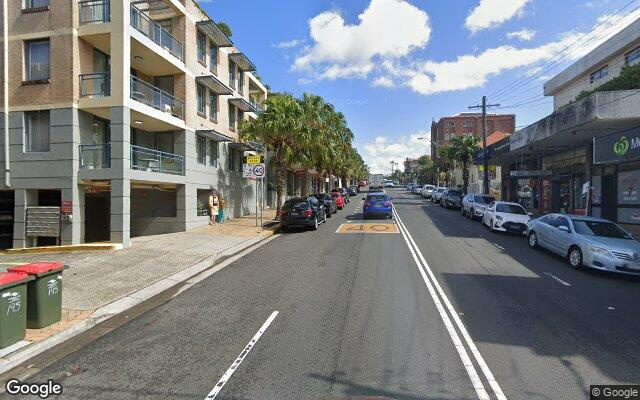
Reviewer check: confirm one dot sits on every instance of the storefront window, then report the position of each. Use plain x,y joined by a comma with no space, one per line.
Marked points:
565,194
525,193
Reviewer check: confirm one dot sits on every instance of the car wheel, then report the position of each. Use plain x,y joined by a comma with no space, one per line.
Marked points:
328,214
284,229
462,211
575,257
533,240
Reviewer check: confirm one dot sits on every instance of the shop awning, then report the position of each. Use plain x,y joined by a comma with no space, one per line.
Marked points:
242,104
217,136
242,62
211,29
214,84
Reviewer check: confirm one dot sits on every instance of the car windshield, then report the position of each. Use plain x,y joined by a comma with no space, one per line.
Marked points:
483,199
599,228
511,209
377,198
289,205
440,190
454,192
320,196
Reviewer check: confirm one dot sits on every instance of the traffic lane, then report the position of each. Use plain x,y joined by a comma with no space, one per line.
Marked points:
347,325
557,339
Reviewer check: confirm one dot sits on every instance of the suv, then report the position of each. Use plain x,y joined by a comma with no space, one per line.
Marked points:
436,194
474,205
302,212
451,198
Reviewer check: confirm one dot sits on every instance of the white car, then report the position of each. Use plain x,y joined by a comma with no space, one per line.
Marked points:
426,191
506,217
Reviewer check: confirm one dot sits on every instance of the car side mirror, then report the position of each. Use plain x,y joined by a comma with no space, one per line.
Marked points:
563,228
530,214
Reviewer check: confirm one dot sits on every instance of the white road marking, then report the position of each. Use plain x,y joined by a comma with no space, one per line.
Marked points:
482,394
495,244
227,375
555,278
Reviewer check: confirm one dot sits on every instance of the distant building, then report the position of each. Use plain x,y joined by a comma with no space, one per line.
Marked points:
411,165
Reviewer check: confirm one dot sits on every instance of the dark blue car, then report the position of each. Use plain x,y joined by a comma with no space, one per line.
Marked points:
377,204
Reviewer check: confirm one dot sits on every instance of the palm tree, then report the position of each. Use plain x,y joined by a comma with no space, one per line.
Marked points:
277,128
462,149
446,161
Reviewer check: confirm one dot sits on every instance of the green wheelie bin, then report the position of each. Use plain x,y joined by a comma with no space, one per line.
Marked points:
13,307
44,293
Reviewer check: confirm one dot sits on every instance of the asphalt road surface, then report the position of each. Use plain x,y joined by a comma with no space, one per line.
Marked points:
428,305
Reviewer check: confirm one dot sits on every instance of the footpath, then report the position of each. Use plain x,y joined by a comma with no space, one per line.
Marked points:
101,284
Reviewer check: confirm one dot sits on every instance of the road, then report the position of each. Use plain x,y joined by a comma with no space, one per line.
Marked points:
441,309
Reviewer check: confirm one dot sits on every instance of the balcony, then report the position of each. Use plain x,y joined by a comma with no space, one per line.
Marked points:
144,159
95,156
151,29
256,106
155,97
94,11
97,84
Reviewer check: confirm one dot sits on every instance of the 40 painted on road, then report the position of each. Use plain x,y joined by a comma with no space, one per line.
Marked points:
368,228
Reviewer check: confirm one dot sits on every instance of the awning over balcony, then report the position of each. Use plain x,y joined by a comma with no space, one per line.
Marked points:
242,104
242,62
210,29
217,136
213,83
246,146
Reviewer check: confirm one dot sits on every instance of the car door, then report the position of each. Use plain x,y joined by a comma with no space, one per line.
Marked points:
561,239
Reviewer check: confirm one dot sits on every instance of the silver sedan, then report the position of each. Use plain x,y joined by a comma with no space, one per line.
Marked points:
586,241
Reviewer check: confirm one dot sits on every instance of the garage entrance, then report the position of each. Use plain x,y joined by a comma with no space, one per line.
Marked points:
7,203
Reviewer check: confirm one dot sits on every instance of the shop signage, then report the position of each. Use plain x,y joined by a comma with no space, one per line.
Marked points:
617,147
525,174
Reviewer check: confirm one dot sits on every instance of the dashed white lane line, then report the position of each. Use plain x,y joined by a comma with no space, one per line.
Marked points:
432,282
227,375
555,278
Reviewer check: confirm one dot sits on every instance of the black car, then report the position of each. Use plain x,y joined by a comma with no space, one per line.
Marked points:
452,198
301,212
330,206
353,191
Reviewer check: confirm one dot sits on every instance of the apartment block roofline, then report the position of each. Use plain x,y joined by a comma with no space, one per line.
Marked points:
594,58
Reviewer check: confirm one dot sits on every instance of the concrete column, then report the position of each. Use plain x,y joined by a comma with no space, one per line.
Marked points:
120,50
121,186
121,211
73,232
23,198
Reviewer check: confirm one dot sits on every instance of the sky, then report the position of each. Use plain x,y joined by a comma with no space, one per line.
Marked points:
391,66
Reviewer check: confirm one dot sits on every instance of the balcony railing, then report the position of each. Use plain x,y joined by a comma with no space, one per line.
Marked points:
155,32
94,11
95,156
256,106
97,84
144,159
155,97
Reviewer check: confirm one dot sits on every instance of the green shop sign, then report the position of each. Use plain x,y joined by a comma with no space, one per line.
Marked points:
617,147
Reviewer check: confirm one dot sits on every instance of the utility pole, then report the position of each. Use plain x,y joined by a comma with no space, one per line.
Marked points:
485,159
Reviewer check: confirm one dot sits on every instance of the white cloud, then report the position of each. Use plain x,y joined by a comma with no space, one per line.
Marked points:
387,29
289,44
493,13
383,81
524,34
379,153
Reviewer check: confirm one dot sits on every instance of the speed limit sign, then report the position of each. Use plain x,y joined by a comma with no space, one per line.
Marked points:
258,171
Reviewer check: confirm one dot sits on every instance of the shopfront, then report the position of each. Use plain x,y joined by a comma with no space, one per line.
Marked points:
568,185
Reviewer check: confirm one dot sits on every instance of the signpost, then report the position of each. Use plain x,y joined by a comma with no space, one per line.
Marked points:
255,169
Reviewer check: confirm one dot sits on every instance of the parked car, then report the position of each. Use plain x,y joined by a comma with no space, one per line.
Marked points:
416,189
362,183
377,204
410,187
436,194
302,212
389,184
337,197
426,191
376,189
343,192
587,241
474,205
353,191
452,198
506,217
330,206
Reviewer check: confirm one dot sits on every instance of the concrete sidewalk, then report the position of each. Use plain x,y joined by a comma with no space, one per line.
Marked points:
100,284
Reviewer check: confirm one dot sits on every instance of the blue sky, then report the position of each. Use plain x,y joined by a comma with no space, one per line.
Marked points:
393,65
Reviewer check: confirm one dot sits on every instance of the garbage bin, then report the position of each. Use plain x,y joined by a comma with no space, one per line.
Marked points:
13,307
44,293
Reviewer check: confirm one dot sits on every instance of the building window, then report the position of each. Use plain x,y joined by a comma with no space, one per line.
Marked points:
600,74
30,4
213,153
202,47
200,94
240,82
213,106
232,74
633,57
467,126
213,57
36,131
201,149
232,117
37,60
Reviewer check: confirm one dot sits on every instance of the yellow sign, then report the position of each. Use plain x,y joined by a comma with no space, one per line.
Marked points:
368,228
254,160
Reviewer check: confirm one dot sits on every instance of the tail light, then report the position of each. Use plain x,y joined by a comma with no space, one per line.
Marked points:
308,213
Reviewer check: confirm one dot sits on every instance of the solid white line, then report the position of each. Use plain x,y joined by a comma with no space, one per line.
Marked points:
497,390
227,375
555,278
495,244
462,352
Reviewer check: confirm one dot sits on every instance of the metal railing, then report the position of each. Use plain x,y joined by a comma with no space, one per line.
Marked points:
256,106
155,32
95,156
144,159
94,11
97,84
155,97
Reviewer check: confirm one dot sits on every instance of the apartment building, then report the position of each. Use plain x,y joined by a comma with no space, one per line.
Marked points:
468,124
123,115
